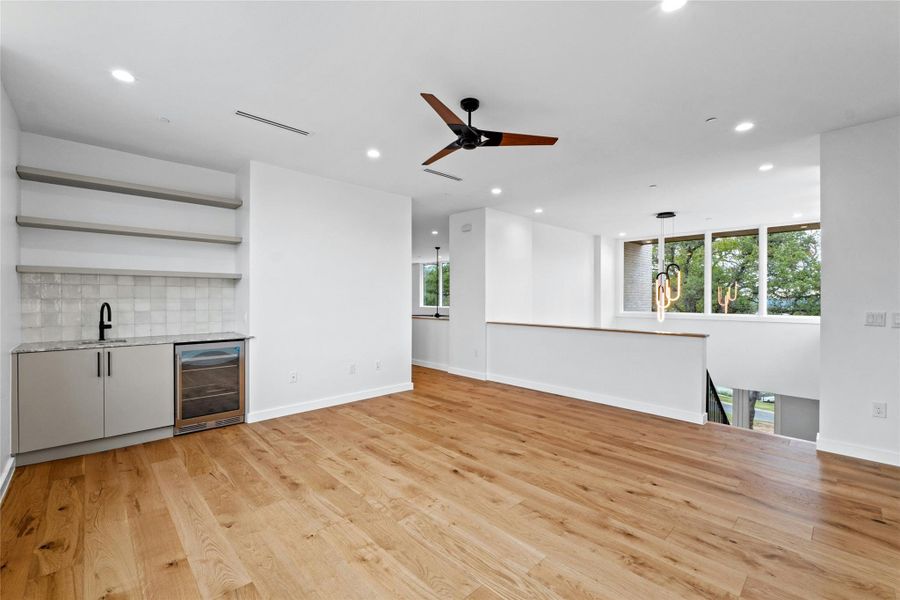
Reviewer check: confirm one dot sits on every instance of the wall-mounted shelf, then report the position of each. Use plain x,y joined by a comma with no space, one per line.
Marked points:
134,272
60,224
121,187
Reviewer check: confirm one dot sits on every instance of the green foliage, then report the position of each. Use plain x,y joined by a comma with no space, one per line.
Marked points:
445,291
794,272
430,285
688,255
735,259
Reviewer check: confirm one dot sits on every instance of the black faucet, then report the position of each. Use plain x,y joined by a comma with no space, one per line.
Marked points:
103,324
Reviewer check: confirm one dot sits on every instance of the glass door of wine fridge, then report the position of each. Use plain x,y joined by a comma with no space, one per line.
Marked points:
209,385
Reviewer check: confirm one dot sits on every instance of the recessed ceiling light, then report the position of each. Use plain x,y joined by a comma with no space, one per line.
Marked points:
766,167
434,232
538,211
742,127
671,5
373,153
496,191
798,215
123,75
621,234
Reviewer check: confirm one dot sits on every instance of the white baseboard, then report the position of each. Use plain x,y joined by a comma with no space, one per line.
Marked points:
299,407
698,417
7,476
856,451
429,364
467,373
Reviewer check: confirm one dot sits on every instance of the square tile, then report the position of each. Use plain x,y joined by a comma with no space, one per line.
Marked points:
31,277
124,280
51,278
90,280
51,290
71,278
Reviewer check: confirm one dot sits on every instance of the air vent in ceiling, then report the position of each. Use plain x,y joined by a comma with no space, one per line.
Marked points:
447,175
241,113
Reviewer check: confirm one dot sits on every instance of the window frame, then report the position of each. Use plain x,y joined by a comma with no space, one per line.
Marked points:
707,314
440,290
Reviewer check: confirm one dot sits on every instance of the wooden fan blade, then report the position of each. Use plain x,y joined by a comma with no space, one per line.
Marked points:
442,153
501,138
443,112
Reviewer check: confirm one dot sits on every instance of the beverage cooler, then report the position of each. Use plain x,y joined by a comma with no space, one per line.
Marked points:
209,385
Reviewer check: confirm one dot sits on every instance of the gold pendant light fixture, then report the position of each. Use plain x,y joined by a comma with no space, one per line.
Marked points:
663,296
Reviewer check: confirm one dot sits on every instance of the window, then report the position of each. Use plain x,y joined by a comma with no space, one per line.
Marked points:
435,286
761,271
793,270
640,271
687,253
735,272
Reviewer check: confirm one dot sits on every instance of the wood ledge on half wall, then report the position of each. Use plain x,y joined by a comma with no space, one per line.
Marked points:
668,333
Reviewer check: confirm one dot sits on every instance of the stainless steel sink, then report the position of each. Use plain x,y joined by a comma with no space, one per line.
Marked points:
115,341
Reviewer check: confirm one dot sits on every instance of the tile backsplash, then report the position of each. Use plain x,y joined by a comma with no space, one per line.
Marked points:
60,306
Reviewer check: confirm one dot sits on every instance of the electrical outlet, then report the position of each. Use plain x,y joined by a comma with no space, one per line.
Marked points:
377,365
876,319
353,368
292,377
896,324
879,410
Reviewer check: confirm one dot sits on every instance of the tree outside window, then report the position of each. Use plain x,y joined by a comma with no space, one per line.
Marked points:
687,253
794,270
735,266
434,287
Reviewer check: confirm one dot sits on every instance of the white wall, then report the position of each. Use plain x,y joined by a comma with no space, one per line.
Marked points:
508,267
860,187
9,282
604,366
431,343
562,275
329,287
538,273
467,326
759,355
66,248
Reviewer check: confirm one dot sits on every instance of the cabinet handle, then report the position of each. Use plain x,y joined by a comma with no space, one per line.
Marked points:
98,365
108,363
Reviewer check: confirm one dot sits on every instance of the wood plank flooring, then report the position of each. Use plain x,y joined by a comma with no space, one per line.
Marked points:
460,489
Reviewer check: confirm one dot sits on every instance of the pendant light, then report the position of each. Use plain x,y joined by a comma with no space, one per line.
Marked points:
663,295
437,264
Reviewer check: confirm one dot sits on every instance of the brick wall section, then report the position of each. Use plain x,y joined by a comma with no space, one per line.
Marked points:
638,277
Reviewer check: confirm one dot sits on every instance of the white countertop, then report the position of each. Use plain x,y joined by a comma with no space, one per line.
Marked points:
134,341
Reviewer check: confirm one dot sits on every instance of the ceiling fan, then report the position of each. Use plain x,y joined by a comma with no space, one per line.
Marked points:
469,137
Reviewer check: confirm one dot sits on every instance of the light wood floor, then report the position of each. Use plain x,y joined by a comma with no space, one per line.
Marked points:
460,489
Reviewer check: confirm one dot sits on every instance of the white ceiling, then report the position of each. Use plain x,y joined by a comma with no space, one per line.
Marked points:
626,87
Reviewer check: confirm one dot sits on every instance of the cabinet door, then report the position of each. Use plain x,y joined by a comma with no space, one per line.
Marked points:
60,398
140,388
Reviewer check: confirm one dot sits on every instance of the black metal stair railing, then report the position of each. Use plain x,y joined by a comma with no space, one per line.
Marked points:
715,412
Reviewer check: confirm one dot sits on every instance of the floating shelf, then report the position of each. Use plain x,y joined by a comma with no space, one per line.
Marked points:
59,224
121,187
134,272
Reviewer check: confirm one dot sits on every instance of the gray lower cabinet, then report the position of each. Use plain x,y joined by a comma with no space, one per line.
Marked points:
73,396
60,398
139,389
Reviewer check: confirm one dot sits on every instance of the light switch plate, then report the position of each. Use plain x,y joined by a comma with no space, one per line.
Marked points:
876,319
879,410
896,319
